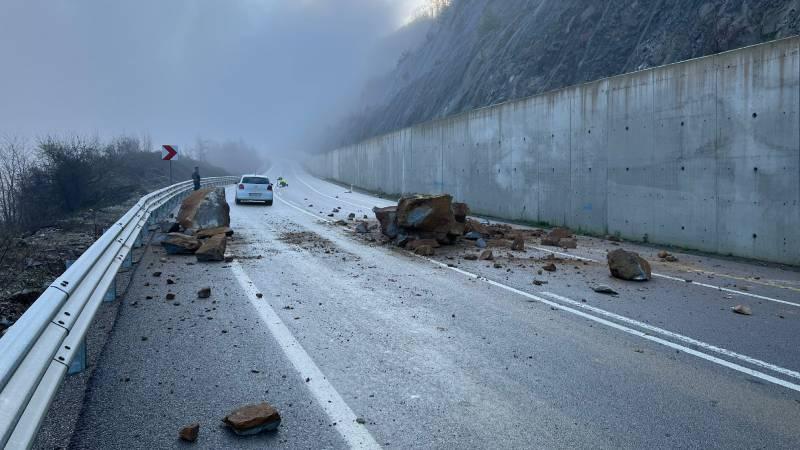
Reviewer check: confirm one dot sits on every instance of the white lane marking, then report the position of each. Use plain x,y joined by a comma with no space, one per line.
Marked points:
681,280
649,337
634,332
679,337
325,195
290,204
356,435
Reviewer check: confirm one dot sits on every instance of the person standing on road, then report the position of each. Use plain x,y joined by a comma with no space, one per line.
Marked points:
196,178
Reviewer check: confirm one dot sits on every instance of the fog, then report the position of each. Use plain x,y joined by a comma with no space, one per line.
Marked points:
270,72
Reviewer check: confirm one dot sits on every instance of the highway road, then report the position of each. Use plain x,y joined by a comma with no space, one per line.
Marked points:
442,352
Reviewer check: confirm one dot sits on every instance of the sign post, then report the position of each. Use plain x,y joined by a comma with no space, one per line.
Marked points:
168,153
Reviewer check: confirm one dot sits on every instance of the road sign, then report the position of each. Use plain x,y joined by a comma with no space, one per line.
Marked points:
169,152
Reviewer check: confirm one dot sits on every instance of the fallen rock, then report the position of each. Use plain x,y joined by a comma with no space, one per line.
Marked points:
486,255
627,265
252,419
603,289
170,227
671,258
663,254
416,243
743,310
518,244
471,257
480,243
460,212
180,244
473,226
387,218
426,213
539,282
170,296
212,249
424,250
207,233
362,228
189,432
351,216
613,238
568,243
560,233
550,267
204,292
205,209
473,236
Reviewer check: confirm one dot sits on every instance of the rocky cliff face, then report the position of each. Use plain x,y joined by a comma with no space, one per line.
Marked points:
482,52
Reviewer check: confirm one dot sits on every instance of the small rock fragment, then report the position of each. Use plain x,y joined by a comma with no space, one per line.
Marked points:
471,257
156,274
204,292
550,267
603,289
486,255
743,310
253,419
170,296
189,432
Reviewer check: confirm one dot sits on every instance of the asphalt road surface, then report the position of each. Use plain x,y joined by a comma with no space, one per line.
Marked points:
362,345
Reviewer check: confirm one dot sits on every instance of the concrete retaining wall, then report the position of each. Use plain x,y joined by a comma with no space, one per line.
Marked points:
703,154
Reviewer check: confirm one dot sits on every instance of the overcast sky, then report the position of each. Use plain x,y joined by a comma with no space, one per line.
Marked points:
267,71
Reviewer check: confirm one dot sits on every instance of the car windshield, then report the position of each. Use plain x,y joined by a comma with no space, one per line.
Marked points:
255,180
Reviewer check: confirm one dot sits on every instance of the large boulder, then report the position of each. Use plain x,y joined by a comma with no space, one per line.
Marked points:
387,217
180,244
205,209
426,213
212,249
627,265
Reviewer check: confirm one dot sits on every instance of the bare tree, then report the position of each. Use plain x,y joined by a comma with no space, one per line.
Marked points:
16,163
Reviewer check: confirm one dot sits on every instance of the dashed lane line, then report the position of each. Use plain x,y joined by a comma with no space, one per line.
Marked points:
356,435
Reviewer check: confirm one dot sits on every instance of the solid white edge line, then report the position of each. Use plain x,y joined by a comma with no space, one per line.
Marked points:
705,356
681,280
356,435
680,337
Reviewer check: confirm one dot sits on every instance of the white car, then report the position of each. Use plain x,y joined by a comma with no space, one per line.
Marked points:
254,188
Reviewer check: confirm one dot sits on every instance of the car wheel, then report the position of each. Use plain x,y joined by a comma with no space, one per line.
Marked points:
238,202
268,202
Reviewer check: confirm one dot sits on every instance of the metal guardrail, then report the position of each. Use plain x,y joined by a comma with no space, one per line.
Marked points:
37,350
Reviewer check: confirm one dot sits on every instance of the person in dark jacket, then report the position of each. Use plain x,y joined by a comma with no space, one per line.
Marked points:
196,178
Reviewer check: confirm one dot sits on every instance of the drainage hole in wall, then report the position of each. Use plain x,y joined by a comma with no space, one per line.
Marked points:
755,235
683,168
681,123
683,228
755,169
627,169
626,128
755,115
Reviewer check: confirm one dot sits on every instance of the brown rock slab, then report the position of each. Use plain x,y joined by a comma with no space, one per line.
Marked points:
518,244
212,249
189,432
627,265
180,244
253,419
486,255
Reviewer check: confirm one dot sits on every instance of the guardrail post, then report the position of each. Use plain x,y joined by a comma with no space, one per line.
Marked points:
127,263
111,294
78,363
